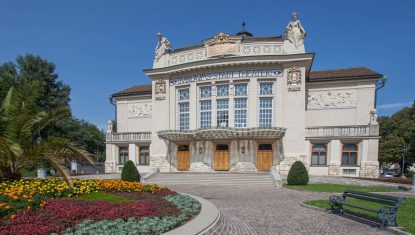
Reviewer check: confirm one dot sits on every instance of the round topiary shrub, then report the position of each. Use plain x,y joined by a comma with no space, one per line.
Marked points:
298,174
130,172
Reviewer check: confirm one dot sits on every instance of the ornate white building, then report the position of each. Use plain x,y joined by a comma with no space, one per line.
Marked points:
242,103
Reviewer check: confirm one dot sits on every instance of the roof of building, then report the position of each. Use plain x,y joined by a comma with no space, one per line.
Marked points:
343,74
135,90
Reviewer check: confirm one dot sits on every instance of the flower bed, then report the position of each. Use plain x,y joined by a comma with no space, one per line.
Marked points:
49,206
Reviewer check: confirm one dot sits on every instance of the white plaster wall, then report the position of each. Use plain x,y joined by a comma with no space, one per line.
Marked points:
357,115
292,116
129,123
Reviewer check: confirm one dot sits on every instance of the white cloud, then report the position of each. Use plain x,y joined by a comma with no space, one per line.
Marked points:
394,105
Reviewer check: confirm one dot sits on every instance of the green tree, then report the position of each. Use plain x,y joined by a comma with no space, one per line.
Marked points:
20,142
52,94
397,132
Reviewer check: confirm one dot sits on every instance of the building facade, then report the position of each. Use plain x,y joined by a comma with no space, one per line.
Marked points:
242,103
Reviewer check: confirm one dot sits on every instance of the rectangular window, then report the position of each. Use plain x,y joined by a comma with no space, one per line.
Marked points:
205,92
122,155
222,90
349,155
241,112
265,112
184,116
319,154
184,94
144,155
222,116
265,88
205,114
241,89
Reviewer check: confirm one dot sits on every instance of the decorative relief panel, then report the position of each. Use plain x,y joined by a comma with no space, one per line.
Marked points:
261,49
191,56
332,99
294,79
140,110
160,89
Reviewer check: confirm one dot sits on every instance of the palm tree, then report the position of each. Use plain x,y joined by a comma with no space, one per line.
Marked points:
21,144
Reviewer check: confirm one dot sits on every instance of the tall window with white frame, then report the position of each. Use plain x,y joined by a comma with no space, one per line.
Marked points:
183,99
241,105
265,104
222,105
205,106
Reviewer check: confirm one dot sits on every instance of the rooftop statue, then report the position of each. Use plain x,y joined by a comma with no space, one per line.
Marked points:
163,46
294,31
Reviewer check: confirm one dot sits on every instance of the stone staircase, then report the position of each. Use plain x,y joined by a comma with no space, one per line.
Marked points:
216,179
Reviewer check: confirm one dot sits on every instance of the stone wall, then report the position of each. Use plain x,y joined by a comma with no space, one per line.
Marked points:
369,169
243,167
162,163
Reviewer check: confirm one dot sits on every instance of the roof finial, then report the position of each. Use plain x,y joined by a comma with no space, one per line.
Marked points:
244,32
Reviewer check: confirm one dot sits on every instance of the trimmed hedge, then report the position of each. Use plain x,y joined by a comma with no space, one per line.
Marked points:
298,174
130,172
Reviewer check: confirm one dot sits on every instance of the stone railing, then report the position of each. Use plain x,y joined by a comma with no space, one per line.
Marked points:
342,131
128,137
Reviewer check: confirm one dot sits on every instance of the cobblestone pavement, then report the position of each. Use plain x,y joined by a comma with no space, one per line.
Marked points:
270,210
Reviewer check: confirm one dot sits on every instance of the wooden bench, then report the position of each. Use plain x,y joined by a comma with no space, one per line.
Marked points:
386,213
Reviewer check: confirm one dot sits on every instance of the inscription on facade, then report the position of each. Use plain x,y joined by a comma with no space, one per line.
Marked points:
227,75
331,99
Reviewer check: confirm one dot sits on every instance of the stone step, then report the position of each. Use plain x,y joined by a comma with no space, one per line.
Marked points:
212,179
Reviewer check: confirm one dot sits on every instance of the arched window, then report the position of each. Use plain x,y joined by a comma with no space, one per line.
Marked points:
349,155
265,147
183,148
222,147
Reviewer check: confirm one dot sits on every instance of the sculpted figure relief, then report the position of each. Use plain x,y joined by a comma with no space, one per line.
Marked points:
143,110
163,47
294,31
331,99
373,117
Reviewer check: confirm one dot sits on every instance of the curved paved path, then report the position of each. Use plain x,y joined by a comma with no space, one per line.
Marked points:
270,210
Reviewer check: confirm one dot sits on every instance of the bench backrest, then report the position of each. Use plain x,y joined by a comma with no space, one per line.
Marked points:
372,197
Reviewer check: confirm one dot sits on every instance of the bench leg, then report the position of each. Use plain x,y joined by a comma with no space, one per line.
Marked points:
336,208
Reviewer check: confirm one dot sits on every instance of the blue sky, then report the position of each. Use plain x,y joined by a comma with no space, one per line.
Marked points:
101,47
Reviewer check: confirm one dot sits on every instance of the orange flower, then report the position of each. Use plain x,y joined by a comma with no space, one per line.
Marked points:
12,216
29,207
8,207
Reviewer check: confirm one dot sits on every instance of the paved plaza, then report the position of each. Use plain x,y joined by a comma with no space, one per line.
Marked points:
270,210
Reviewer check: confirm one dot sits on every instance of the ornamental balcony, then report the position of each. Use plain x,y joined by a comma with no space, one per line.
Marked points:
121,137
343,131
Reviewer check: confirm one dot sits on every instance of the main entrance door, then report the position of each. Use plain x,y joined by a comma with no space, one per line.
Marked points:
264,157
222,158
183,158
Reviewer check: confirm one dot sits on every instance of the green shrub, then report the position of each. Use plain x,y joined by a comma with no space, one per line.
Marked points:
298,174
130,172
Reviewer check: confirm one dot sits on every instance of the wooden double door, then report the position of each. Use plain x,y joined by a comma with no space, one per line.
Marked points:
264,157
183,158
221,161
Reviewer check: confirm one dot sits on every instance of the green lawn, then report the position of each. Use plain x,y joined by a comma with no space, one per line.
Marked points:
406,215
339,188
102,196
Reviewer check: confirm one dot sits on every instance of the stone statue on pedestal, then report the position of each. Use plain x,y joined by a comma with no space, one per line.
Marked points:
162,48
110,126
294,31
373,117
